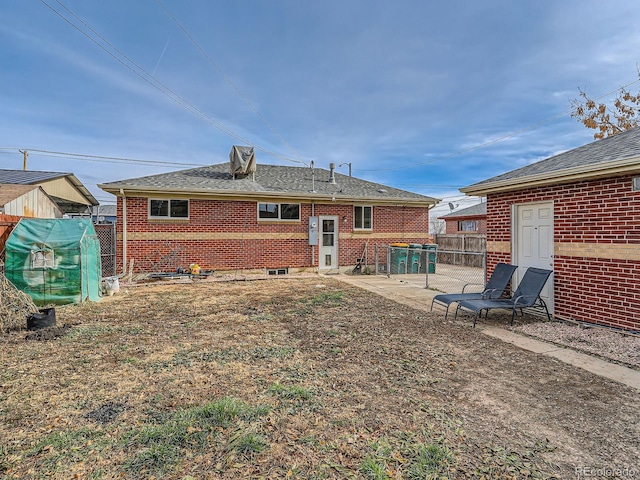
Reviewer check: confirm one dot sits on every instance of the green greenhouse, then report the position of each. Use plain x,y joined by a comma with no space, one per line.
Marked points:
55,261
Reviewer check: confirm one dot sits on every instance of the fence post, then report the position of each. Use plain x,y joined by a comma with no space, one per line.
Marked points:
388,261
426,279
484,267
375,250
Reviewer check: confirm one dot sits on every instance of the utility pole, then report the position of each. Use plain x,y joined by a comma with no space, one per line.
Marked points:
24,159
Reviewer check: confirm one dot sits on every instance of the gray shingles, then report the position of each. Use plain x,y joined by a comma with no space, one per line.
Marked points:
474,210
28,177
269,179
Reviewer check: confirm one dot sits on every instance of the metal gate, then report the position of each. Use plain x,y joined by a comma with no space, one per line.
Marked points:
107,236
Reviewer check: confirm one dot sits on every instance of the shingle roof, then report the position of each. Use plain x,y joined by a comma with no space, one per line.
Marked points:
32,177
270,180
9,192
28,177
621,150
472,211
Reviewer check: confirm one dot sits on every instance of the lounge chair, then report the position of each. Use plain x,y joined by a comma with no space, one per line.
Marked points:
494,288
527,295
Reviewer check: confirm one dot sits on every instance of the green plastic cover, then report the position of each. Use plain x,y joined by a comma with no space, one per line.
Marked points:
55,261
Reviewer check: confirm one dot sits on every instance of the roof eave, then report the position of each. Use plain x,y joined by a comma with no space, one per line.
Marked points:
569,175
133,190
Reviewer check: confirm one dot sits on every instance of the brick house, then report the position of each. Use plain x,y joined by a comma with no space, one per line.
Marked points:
472,219
276,218
577,213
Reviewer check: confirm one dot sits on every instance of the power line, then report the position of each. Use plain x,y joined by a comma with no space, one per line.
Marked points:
153,81
226,78
101,158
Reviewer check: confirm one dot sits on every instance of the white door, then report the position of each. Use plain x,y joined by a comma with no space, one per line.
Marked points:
328,251
533,243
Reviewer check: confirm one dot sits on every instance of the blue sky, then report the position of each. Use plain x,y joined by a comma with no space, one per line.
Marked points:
407,91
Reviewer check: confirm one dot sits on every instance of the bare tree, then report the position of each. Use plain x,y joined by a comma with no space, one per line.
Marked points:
622,115
436,225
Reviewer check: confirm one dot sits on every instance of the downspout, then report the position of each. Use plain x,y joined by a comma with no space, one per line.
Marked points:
124,231
313,247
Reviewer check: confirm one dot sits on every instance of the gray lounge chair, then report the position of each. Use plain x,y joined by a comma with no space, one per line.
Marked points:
494,288
527,295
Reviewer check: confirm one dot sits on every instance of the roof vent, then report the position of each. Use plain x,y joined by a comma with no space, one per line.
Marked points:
242,161
332,173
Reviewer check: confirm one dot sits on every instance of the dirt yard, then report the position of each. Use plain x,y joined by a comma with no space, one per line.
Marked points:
296,378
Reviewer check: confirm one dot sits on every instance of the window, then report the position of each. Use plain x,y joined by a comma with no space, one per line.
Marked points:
467,225
279,211
363,218
169,208
42,259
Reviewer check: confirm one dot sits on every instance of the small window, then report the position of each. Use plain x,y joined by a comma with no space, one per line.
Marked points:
42,259
279,211
363,218
468,225
169,208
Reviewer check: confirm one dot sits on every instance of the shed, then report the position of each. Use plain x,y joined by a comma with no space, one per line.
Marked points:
55,261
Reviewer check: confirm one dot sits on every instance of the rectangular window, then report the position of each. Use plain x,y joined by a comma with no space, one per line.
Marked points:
169,208
363,218
279,211
468,225
42,259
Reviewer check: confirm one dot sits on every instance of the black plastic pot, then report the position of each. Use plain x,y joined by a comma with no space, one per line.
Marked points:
45,318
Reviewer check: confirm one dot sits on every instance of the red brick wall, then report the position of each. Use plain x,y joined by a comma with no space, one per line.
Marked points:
601,215
227,236
451,225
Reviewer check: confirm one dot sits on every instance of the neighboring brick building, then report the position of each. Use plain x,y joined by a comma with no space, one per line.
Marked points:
577,213
466,221
270,219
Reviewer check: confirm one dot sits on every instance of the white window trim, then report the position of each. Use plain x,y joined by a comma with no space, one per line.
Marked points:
168,217
290,220
362,229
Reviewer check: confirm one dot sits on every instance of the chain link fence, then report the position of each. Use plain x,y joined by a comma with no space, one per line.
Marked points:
425,265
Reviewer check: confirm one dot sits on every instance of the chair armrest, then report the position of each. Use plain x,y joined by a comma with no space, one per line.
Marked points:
517,299
468,284
487,293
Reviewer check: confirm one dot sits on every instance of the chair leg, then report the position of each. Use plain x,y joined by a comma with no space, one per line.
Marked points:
475,317
446,312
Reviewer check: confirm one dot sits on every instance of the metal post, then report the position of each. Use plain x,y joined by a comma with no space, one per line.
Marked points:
388,260
376,253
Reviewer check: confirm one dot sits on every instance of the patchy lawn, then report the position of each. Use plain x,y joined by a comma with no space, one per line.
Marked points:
297,377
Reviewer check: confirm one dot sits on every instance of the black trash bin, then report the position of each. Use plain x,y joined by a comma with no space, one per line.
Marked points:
43,319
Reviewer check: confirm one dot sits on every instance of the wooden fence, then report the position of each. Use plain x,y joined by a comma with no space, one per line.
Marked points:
7,222
455,249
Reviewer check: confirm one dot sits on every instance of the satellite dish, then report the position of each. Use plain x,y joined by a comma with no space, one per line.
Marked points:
100,219
452,206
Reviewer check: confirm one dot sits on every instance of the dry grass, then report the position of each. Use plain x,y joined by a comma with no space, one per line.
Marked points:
290,378
14,306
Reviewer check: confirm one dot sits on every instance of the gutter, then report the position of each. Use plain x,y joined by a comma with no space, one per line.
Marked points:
226,195
124,230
